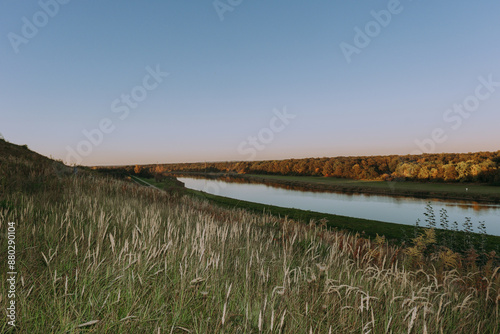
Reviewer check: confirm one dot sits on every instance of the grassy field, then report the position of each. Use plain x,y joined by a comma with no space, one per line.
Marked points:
100,255
395,233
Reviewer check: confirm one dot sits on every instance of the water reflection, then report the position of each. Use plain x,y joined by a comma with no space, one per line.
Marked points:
403,210
350,192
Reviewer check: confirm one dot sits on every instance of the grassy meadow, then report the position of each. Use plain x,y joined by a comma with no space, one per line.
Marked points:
102,255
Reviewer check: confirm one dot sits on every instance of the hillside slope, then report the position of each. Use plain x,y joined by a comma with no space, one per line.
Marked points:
101,255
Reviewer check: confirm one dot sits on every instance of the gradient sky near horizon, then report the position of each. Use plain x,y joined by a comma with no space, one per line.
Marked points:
228,77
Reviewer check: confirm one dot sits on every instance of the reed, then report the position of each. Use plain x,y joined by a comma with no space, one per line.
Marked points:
101,255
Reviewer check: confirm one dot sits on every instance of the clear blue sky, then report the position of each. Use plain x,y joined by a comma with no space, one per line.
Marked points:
227,76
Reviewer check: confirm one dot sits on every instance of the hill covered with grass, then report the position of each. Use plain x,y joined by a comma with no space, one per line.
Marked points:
103,255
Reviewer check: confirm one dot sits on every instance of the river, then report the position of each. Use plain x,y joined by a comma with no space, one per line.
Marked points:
402,210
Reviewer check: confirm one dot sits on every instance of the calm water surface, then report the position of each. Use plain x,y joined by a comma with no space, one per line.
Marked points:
402,210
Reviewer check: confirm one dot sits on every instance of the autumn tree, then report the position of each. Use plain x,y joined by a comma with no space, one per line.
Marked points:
137,169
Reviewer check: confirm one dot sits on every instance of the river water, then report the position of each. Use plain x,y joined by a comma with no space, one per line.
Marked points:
402,210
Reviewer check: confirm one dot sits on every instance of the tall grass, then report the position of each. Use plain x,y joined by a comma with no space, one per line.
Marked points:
98,255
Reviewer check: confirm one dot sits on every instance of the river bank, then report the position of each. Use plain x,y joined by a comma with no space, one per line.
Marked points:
370,228
447,191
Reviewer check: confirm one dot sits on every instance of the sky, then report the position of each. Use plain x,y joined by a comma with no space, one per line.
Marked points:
136,82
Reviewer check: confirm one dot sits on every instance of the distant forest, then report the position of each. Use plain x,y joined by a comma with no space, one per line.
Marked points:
481,167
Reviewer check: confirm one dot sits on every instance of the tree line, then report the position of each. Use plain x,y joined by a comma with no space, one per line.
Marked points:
481,167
